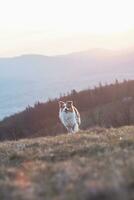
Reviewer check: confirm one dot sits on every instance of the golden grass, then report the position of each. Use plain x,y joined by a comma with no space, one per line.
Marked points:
94,164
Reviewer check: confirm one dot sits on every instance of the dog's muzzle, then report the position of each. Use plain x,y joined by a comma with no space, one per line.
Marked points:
66,110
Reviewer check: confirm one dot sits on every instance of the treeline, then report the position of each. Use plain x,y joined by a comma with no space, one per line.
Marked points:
105,105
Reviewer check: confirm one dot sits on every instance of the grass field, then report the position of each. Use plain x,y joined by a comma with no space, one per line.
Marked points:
95,164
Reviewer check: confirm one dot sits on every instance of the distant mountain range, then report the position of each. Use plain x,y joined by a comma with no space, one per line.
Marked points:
29,78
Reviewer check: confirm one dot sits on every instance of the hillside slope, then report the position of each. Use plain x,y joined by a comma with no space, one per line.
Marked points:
107,106
96,164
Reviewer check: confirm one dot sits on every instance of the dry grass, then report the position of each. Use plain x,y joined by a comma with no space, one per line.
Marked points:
96,164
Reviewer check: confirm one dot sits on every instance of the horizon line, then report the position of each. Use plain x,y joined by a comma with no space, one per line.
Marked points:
69,53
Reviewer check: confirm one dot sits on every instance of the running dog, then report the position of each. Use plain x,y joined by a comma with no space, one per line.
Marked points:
69,116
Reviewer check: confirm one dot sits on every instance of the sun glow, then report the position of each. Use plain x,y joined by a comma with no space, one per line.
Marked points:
23,22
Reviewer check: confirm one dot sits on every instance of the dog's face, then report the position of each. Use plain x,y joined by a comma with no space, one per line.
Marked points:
66,106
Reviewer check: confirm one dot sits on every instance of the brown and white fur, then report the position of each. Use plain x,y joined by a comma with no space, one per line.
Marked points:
69,116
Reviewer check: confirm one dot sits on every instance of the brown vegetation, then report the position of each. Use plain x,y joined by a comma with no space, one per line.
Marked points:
95,164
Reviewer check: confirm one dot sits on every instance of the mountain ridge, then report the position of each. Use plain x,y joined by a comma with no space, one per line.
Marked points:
92,50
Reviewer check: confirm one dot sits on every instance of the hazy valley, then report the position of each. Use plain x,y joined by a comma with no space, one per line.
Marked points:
33,78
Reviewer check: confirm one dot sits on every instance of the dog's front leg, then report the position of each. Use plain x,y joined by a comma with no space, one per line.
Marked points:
70,131
75,128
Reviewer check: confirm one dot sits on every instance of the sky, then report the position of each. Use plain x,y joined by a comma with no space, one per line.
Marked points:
52,27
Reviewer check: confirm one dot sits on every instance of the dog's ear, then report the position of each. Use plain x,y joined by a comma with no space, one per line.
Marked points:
61,104
69,103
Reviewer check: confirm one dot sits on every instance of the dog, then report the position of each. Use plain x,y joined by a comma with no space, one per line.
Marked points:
69,116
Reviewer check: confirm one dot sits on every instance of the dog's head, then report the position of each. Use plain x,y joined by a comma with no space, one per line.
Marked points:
66,106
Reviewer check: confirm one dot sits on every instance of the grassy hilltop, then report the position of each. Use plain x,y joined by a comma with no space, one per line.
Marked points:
95,164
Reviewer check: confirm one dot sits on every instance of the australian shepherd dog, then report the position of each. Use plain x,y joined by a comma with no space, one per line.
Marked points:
69,116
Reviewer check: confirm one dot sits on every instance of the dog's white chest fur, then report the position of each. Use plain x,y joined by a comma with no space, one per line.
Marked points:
68,119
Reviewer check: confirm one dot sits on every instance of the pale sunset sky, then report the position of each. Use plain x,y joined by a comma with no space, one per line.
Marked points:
52,27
